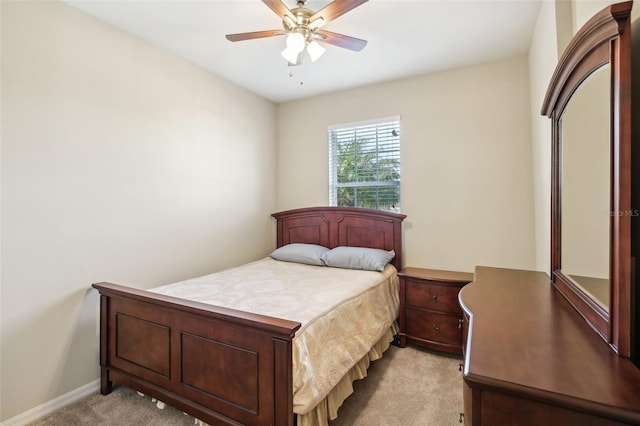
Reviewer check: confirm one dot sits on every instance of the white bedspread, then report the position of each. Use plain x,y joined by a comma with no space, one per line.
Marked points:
343,313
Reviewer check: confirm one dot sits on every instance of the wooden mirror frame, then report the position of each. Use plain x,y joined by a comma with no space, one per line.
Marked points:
604,39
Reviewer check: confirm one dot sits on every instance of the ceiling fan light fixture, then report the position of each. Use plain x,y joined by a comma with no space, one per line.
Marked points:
290,55
296,42
315,50
293,59
316,23
301,26
289,22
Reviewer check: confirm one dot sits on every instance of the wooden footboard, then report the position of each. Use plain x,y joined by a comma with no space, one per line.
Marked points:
220,365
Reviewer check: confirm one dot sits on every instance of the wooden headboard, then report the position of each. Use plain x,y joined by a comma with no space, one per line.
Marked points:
342,226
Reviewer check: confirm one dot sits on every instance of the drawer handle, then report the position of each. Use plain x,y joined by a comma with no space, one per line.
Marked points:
460,323
435,299
435,327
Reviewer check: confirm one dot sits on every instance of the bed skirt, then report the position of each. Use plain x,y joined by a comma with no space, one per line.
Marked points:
327,409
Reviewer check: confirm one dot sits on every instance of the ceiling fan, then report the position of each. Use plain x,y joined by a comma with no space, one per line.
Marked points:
302,28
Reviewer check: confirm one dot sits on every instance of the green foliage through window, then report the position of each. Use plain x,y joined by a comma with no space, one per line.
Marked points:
364,165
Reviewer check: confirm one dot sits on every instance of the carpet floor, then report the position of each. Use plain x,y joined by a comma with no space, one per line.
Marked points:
407,387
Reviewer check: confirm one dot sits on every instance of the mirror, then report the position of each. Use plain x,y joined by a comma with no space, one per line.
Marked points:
585,182
588,101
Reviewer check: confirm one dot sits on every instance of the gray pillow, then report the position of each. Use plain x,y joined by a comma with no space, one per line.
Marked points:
358,258
309,254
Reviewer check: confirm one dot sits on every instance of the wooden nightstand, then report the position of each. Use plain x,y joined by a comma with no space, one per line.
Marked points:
430,315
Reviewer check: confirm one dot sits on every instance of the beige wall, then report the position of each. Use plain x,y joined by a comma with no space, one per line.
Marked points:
543,56
547,44
466,161
120,162
583,10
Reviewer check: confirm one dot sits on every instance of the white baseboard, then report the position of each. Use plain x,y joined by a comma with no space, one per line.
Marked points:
55,404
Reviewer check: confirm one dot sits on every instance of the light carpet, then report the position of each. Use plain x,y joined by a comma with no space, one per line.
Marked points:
407,387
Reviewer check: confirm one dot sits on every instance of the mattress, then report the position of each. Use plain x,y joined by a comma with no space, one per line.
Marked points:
343,313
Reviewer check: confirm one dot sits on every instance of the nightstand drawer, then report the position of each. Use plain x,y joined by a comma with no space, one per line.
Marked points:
441,328
433,295
430,314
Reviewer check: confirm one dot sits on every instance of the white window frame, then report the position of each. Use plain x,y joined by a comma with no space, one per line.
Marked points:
385,134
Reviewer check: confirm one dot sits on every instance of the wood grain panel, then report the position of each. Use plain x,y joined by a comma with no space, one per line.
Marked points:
434,327
365,233
306,233
441,296
210,366
500,409
309,230
143,343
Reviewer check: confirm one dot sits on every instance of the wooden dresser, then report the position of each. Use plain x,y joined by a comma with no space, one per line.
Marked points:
532,360
430,315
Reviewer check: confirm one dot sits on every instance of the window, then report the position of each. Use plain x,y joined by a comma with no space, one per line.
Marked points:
364,165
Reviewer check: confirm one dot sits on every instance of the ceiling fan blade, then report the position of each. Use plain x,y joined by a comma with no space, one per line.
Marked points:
341,40
255,34
335,9
278,7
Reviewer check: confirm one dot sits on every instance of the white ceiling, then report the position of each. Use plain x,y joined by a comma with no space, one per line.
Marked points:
405,38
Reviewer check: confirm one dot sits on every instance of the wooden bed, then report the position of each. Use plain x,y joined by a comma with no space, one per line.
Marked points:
220,365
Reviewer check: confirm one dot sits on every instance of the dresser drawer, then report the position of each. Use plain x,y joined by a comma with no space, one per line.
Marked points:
432,326
433,295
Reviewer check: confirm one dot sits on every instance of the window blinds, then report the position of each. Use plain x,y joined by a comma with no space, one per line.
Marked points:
364,164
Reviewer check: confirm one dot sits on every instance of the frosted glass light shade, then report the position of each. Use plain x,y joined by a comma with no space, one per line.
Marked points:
315,50
295,42
290,55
